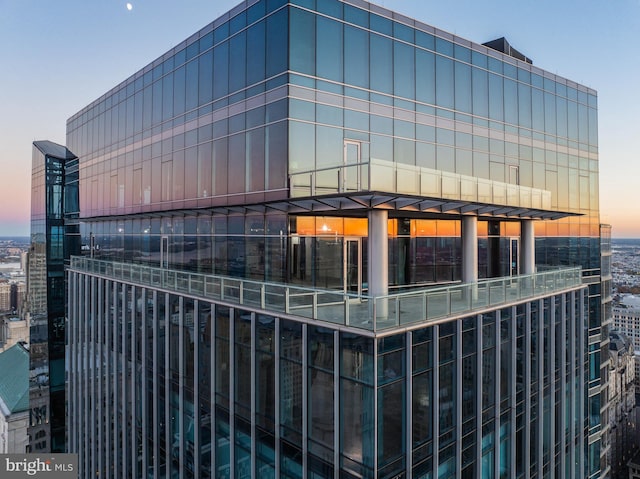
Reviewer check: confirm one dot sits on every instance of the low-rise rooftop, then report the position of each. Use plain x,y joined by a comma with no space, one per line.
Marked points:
14,380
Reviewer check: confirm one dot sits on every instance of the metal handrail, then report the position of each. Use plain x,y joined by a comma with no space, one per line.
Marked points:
373,313
381,175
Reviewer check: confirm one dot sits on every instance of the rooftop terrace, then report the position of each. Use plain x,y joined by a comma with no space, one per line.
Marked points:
374,314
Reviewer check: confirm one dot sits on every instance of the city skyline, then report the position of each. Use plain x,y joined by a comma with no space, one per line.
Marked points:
55,73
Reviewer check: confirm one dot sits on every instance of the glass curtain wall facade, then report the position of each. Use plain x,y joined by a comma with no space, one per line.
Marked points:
259,149
183,387
54,237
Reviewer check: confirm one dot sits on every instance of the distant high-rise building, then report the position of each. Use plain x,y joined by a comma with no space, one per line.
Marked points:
24,258
13,330
18,290
626,319
323,239
53,206
622,403
5,296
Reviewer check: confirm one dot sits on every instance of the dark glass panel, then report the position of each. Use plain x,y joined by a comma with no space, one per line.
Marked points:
237,62
276,60
444,82
480,89
221,33
381,24
422,420
357,432
357,16
188,399
583,123
537,109
463,87
220,166
191,98
205,83
242,365
403,32
496,97
179,91
276,111
265,372
330,8
221,70
329,145
255,166
191,171
329,47
524,103
510,101
301,146
321,348
256,12
447,396
357,358
237,163
291,381
302,38
356,56
391,422
237,23
256,51
147,103
206,42
444,47
156,109
192,50
204,172
321,411
549,113
425,76
510,71
174,417
572,120
479,59
178,176
276,157
222,441
403,69
382,68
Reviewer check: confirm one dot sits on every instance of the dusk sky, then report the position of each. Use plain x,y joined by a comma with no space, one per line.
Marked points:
59,55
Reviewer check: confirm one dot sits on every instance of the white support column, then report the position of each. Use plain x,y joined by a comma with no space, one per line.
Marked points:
379,258
469,249
527,247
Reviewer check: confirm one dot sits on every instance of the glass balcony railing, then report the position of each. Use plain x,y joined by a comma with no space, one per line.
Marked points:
378,313
386,176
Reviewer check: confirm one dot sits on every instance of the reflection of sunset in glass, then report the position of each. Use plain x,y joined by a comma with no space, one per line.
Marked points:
36,104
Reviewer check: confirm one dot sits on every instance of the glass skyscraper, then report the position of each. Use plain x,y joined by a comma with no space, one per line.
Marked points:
54,237
322,239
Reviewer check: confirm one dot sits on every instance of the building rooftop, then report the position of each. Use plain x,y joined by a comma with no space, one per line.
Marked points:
14,380
53,149
502,45
628,302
